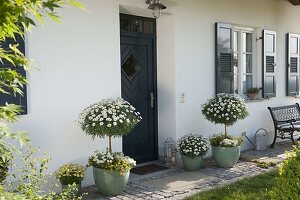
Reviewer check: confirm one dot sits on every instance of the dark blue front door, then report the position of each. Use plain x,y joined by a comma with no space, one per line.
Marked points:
138,63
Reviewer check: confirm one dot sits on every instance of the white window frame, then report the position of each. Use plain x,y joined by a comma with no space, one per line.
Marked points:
240,72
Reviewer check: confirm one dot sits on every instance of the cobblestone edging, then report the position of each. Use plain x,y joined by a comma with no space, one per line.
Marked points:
209,177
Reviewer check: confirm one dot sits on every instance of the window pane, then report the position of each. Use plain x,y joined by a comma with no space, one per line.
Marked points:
148,27
247,83
225,38
137,26
236,41
247,63
131,67
236,84
235,63
125,24
247,42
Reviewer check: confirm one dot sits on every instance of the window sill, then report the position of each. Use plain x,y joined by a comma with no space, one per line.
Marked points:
252,101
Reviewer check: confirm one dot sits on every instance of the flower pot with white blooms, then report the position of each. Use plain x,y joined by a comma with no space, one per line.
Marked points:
110,118
192,148
225,109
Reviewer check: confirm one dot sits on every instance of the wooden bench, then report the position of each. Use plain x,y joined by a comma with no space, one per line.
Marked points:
286,121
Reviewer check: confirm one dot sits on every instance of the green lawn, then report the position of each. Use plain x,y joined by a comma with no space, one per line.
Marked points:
247,189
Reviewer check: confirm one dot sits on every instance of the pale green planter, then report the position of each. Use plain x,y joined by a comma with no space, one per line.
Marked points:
191,164
76,191
110,183
226,157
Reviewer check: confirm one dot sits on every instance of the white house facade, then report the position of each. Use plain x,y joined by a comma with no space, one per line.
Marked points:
84,60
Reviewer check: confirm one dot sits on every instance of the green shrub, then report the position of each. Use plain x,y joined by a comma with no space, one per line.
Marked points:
10,196
5,160
31,177
70,173
287,186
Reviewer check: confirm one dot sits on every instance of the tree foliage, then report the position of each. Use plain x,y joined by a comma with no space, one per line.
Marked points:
17,17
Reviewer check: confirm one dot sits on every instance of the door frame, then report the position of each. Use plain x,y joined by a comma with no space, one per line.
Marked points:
154,61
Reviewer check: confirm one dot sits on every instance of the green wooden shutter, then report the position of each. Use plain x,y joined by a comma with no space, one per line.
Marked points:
293,64
224,58
269,64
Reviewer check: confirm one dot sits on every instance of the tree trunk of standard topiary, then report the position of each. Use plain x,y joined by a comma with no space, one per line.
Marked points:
225,130
109,144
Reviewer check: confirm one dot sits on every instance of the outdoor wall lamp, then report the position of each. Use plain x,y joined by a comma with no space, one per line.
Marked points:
156,7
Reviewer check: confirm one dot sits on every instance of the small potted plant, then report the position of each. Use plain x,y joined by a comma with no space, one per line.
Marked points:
192,148
110,118
70,175
252,93
225,109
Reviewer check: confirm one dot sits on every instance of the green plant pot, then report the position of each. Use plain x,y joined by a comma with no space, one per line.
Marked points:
226,157
76,191
110,183
191,164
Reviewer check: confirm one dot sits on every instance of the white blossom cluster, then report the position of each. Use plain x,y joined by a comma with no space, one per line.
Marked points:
225,109
192,145
229,143
109,115
111,161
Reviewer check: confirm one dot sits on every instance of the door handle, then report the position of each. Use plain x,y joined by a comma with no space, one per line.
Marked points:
152,99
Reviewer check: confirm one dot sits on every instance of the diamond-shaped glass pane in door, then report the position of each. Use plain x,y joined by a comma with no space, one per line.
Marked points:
131,67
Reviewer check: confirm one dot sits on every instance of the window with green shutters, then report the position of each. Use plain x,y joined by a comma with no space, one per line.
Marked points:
236,60
235,66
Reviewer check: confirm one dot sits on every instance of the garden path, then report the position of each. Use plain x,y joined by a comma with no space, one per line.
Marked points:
175,183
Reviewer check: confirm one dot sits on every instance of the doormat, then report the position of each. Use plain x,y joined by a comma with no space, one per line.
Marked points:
148,169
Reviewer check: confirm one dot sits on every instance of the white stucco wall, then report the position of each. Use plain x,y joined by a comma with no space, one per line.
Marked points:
79,61
195,74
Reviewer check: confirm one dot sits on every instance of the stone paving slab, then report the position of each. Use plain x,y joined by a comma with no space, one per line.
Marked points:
180,181
175,184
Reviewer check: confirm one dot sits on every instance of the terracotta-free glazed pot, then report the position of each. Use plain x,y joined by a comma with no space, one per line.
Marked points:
226,157
110,183
191,164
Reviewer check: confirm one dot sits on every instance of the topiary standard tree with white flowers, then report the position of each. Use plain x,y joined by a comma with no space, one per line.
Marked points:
109,118
225,109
